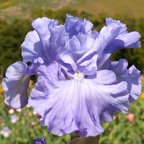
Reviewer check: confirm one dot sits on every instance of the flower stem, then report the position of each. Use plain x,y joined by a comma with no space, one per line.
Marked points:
84,140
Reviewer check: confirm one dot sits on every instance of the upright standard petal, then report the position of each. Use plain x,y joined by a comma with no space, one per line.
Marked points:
76,46
87,64
125,39
113,37
32,48
43,27
74,25
16,84
79,45
58,39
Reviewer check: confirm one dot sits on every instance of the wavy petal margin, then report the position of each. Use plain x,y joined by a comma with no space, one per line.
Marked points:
16,84
79,105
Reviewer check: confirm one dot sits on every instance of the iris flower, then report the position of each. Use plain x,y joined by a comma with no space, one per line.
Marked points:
78,87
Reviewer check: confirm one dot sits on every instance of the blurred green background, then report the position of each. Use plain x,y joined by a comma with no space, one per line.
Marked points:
22,126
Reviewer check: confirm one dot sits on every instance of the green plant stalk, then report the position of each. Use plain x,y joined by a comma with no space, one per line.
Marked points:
83,140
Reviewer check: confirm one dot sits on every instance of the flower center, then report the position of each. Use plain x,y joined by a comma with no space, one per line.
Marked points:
79,76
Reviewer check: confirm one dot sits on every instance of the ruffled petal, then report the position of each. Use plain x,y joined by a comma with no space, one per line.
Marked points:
32,69
87,64
74,25
43,27
133,83
105,77
130,40
79,105
106,36
16,84
58,41
125,39
79,45
119,67
50,72
108,33
67,65
113,37
47,77
131,76
76,46
111,22
31,47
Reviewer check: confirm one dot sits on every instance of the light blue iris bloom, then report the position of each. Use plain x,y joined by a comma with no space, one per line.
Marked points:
78,86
